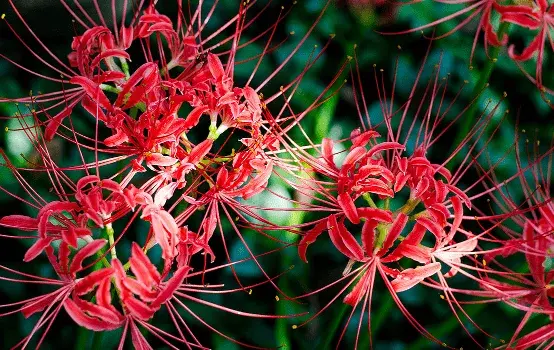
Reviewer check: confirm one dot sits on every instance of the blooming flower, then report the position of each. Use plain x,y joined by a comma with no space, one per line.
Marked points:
539,17
175,147
170,172
522,233
382,204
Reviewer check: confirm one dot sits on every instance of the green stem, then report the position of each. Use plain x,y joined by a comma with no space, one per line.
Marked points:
378,319
97,340
386,205
125,67
107,232
410,205
382,231
82,338
108,229
282,327
332,331
133,112
103,262
369,200
469,117
109,88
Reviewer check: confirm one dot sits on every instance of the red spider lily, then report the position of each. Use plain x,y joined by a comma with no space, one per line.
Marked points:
249,176
480,9
140,297
71,217
541,337
92,202
373,177
47,232
50,304
164,227
141,103
392,200
146,286
382,227
102,61
183,49
532,293
522,232
538,17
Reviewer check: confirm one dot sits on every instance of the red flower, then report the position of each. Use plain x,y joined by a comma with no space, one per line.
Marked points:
386,205
67,230
539,17
144,294
66,267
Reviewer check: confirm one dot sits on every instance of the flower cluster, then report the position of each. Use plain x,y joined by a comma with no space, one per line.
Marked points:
526,236
168,122
173,150
387,208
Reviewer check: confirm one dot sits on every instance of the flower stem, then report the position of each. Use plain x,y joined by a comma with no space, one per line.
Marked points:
382,232
82,338
282,327
108,229
97,340
410,205
100,254
377,320
125,67
109,88
332,331
369,200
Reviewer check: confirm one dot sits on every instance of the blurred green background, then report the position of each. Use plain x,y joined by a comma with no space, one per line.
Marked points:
353,23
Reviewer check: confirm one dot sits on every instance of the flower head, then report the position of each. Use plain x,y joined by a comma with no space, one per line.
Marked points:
387,207
188,144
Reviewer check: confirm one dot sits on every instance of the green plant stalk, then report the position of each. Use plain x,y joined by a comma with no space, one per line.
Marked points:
382,232
97,340
82,338
379,318
469,117
108,230
369,200
103,262
332,331
282,328
125,67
